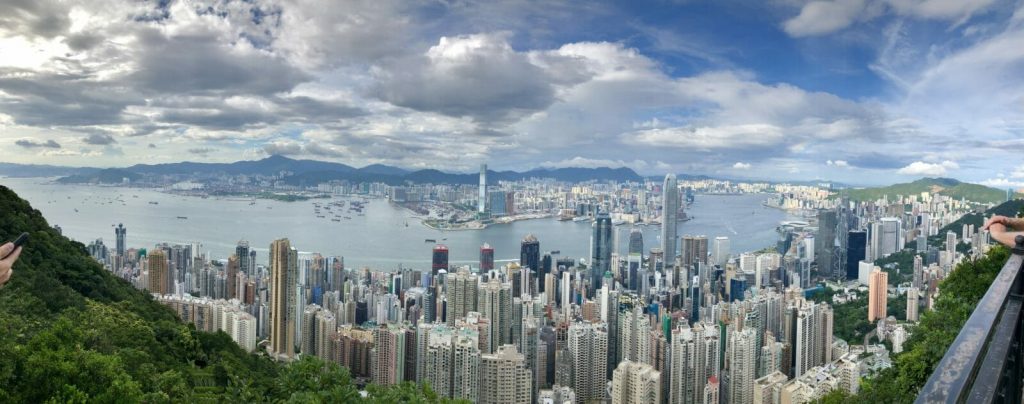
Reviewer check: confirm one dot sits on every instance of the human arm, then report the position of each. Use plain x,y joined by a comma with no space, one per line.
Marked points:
999,233
10,254
1009,222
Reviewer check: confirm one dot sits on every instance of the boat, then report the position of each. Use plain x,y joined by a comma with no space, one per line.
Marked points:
430,240
154,203
556,252
335,220
348,218
183,217
580,218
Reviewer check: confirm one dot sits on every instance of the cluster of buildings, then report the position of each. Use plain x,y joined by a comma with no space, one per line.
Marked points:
683,321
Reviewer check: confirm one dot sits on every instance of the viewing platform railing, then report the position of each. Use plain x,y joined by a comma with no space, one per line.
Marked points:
983,365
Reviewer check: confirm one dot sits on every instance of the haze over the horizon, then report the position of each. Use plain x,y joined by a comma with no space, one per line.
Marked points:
879,91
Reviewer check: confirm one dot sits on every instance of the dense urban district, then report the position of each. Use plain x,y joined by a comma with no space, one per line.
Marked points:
855,302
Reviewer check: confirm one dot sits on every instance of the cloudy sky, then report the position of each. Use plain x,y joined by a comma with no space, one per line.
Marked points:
862,91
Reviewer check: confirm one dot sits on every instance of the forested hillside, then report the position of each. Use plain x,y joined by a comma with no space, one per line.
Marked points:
72,332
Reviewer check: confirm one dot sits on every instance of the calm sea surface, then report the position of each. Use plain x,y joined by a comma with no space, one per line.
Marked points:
384,238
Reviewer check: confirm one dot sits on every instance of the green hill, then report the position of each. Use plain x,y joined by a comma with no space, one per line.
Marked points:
72,332
106,176
942,186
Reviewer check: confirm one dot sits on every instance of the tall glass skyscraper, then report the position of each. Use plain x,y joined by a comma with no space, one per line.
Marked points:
600,250
120,232
670,208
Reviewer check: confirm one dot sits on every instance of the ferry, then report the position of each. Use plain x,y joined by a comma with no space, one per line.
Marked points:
151,203
430,240
183,217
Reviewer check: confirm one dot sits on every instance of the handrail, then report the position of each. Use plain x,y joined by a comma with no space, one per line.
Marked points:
972,367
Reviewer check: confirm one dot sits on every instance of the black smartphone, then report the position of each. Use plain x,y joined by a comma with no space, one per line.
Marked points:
18,242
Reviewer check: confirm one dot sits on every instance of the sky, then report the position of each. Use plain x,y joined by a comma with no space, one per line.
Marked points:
856,91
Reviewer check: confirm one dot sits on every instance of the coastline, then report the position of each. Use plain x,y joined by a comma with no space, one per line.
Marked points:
478,225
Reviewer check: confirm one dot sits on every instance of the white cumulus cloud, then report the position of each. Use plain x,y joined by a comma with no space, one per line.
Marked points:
923,168
741,165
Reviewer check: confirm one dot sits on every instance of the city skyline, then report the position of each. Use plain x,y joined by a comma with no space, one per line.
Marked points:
879,89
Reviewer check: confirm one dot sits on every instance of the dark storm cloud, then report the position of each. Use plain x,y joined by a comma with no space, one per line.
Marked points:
42,99
201,64
482,77
81,42
312,109
31,144
41,18
228,118
99,139
878,161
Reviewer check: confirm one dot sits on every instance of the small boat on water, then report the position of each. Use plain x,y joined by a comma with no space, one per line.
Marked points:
430,240
154,203
183,217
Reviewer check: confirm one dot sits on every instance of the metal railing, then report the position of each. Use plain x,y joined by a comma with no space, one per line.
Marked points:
983,365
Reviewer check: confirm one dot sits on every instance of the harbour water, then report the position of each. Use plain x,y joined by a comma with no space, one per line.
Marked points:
385,237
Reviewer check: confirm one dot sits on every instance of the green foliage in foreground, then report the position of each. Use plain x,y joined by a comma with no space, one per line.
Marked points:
72,332
960,292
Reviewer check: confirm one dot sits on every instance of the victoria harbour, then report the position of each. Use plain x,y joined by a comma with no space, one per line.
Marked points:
384,238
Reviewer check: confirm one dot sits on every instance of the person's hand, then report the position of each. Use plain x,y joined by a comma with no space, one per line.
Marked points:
7,263
996,219
996,228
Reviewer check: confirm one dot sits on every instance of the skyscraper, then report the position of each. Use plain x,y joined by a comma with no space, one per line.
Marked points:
635,383
496,305
462,295
878,285
856,251
669,210
696,356
482,198
743,352
891,236
633,275
720,251
450,361
440,259
283,278
120,232
158,271
529,257
588,347
231,273
505,378
389,354
600,250
695,250
813,341
486,257
951,242
825,242
244,262
912,304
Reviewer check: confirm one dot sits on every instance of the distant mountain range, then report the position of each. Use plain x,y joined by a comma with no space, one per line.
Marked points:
310,172
942,186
